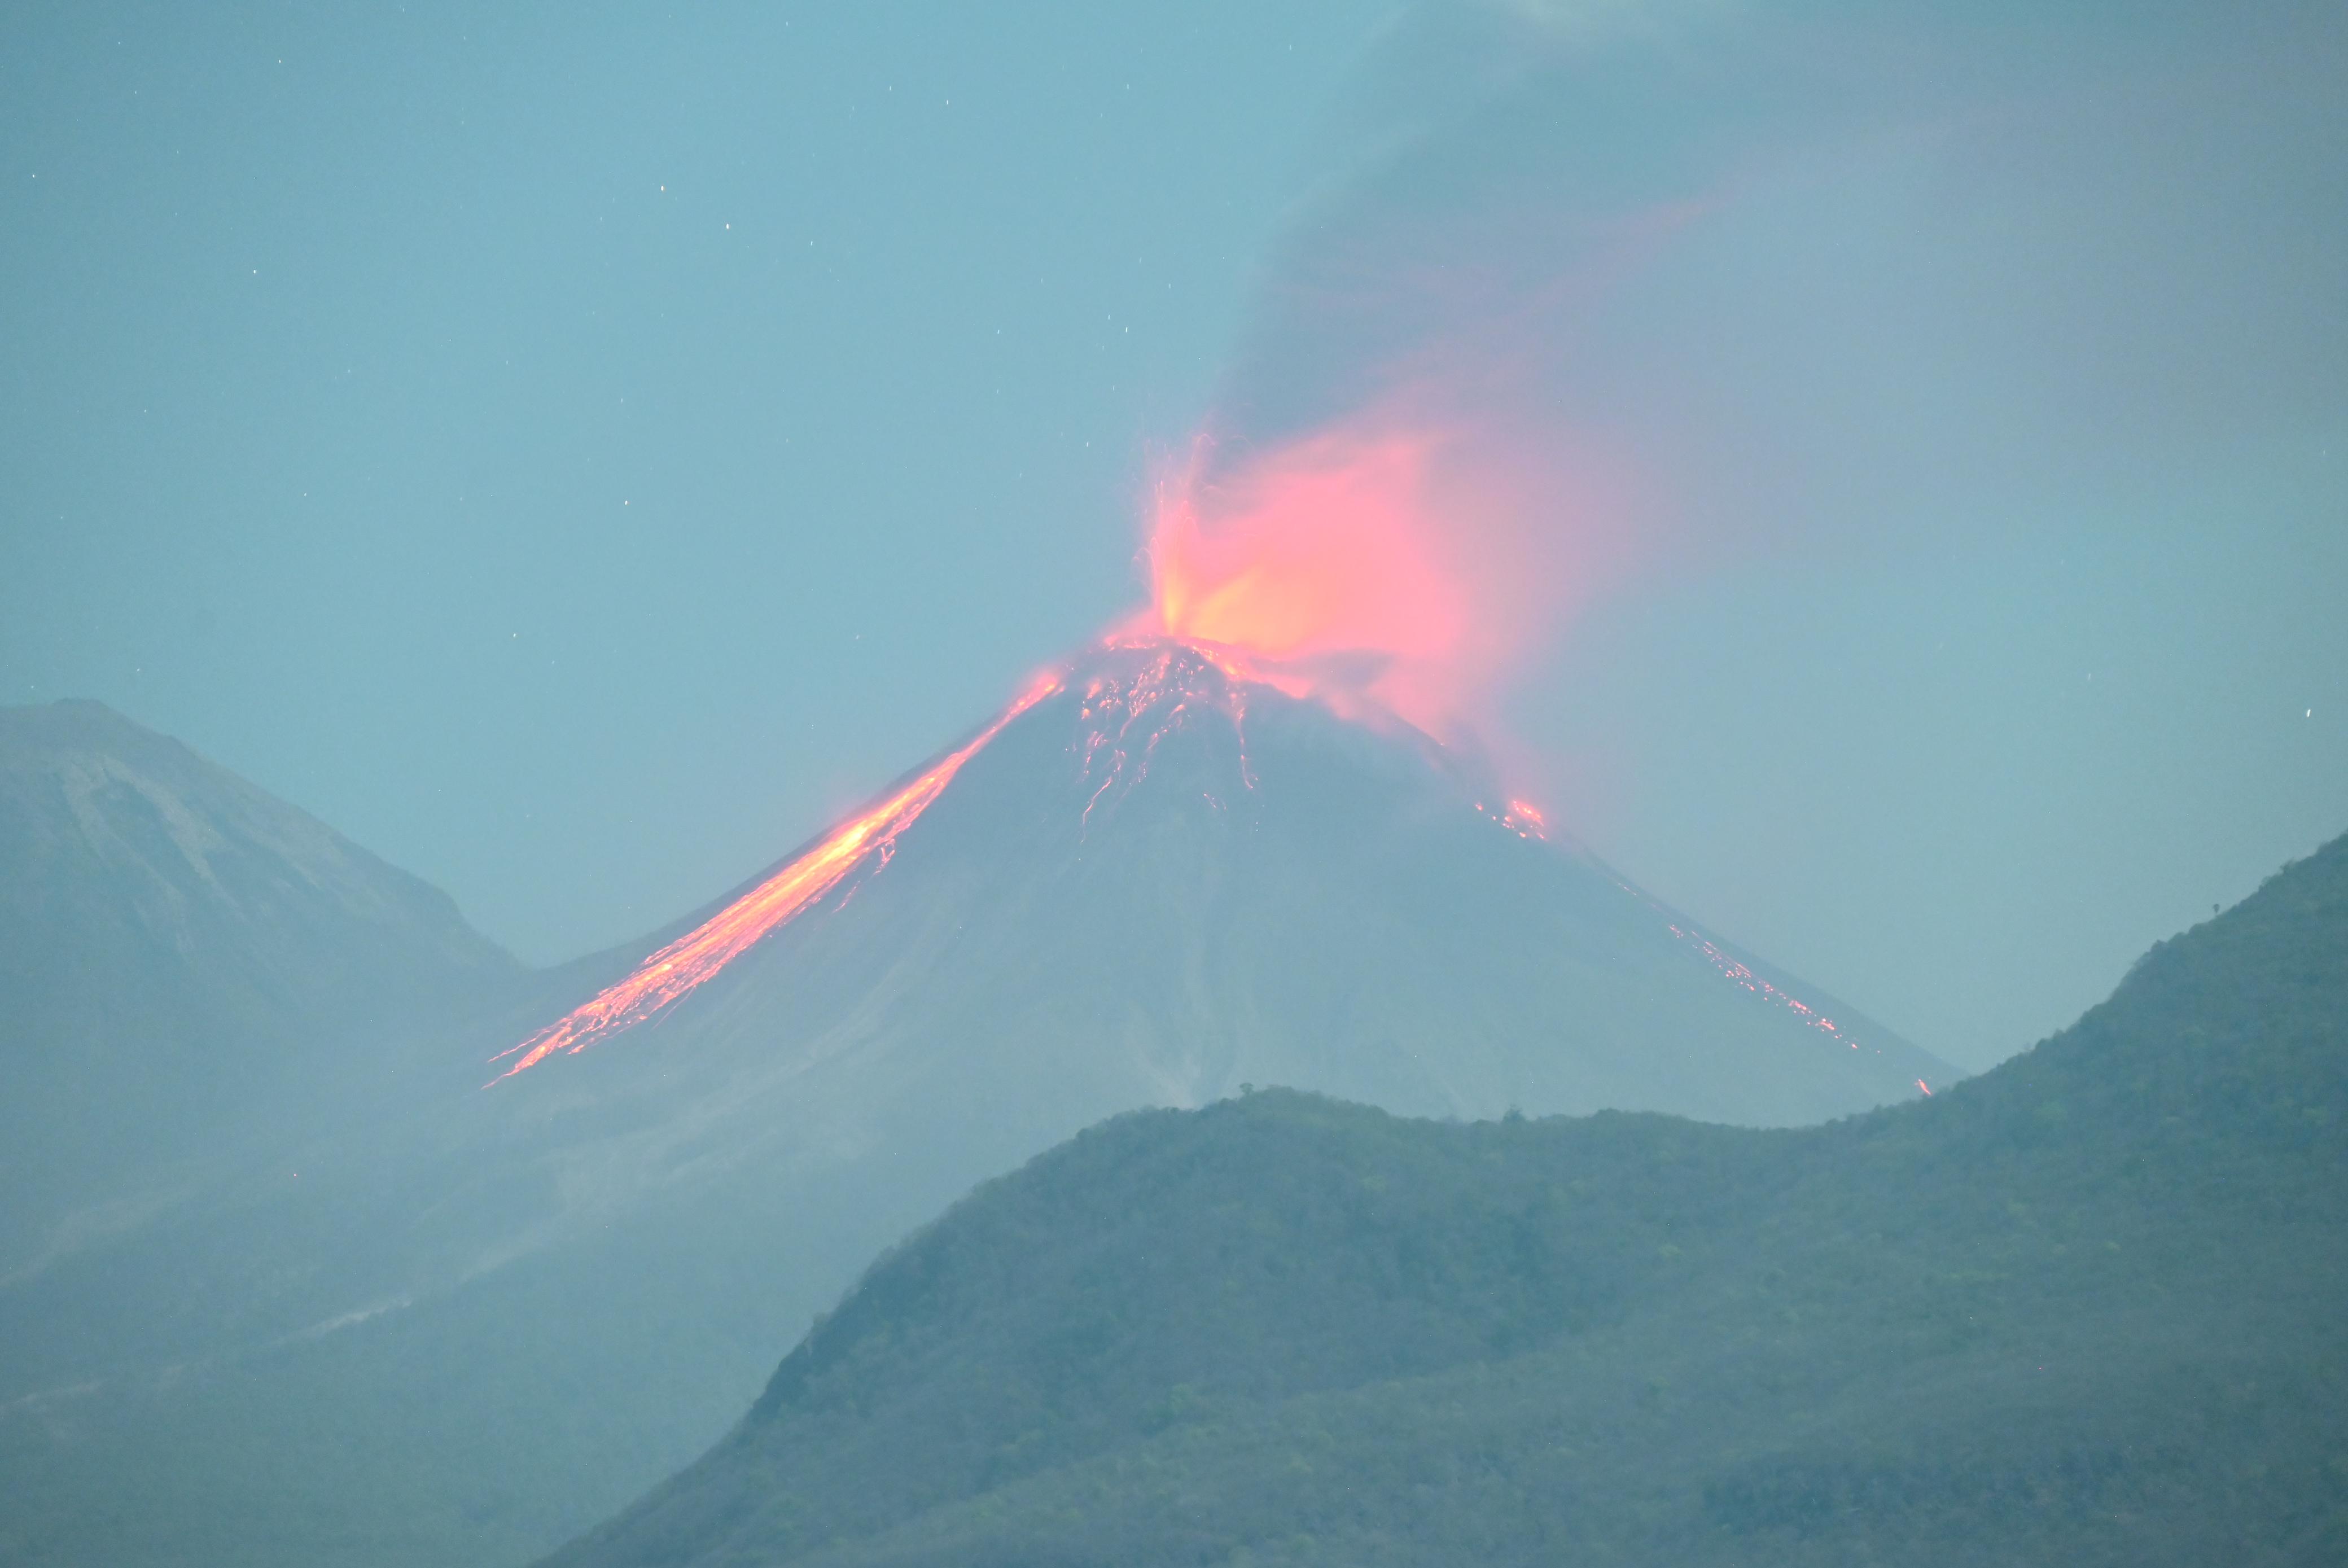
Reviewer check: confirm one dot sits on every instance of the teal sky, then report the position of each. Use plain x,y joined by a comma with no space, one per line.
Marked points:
576,450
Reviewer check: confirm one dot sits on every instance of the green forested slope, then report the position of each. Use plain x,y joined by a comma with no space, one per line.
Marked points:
2087,1307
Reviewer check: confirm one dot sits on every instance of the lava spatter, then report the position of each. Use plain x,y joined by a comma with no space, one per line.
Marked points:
1126,714
1519,817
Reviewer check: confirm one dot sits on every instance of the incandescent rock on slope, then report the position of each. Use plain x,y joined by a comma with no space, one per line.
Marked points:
1165,880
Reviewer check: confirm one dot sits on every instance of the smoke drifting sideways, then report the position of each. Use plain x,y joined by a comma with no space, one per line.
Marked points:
1580,292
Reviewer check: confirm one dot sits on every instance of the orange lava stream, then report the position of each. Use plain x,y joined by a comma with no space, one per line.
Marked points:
1738,973
664,979
1745,977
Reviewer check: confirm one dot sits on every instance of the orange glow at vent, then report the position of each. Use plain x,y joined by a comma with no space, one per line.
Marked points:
1391,563
668,975
1320,555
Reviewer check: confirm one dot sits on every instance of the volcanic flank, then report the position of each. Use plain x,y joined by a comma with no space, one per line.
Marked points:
1160,875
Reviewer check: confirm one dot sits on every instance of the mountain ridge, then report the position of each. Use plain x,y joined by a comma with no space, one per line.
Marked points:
2080,1305
174,943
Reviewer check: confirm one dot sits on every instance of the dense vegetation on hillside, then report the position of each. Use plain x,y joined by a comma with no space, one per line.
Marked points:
2085,1308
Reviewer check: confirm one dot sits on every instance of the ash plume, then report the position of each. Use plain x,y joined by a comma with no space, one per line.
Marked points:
1658,288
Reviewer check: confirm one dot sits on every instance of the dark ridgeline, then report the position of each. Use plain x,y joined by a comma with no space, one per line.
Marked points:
2085,1308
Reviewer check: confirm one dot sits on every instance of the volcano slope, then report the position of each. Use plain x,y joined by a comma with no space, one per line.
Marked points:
175,946
450,1322
2084,1308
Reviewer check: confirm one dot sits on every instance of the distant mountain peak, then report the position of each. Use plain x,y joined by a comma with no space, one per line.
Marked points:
168,929
189,831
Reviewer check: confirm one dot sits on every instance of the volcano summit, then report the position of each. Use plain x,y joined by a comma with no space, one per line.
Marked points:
1163,872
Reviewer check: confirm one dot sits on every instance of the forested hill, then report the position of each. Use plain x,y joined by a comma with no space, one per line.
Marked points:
2085,1308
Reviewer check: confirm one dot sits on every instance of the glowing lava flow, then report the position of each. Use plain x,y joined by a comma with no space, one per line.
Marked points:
1743,975
1736,974
665,979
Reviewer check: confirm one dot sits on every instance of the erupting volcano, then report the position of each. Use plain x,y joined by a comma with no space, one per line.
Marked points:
1355,582
1170,867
